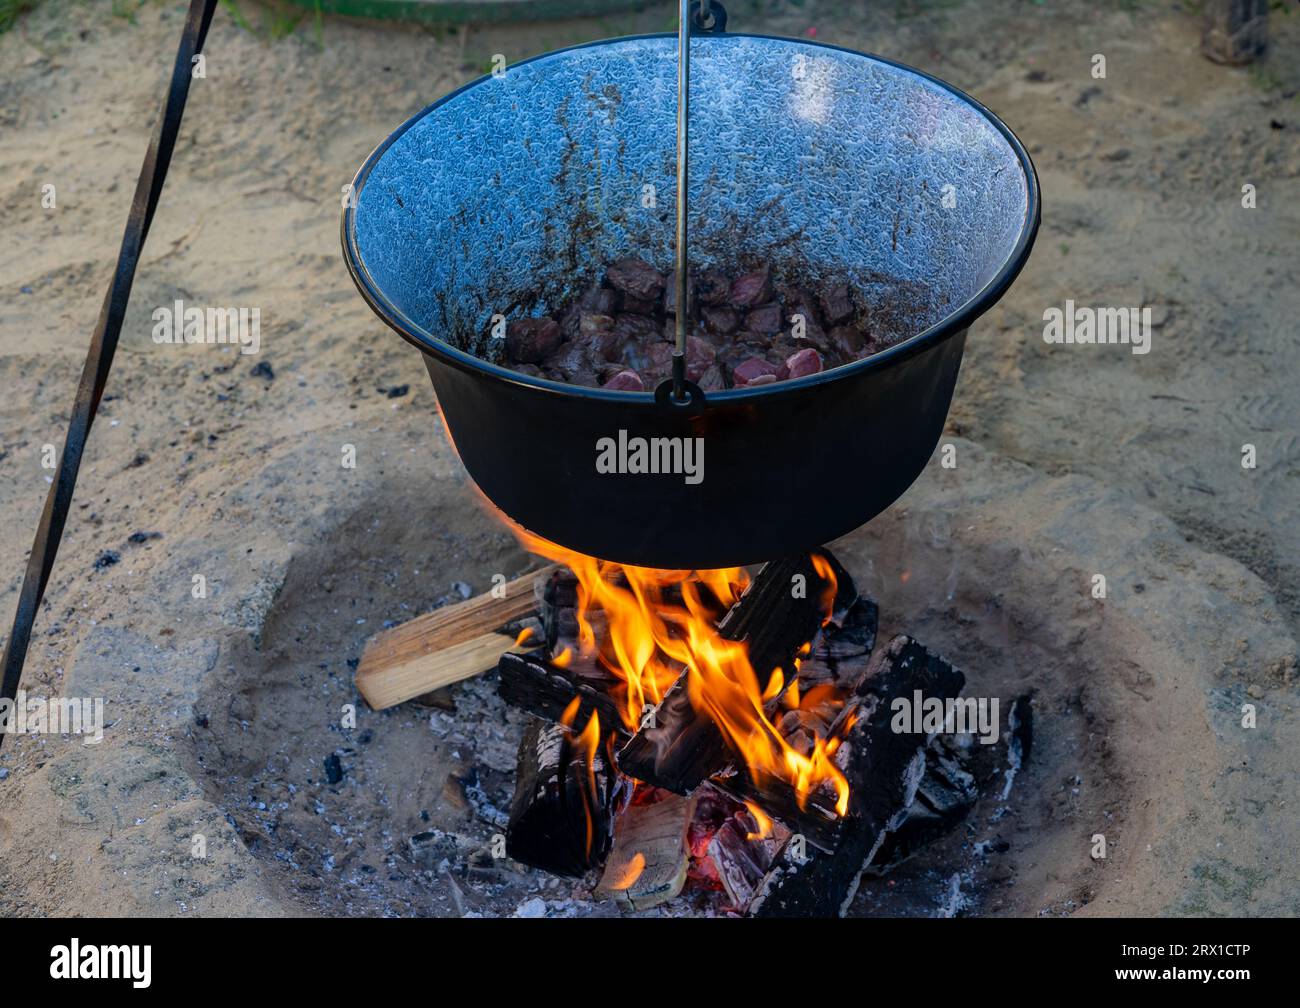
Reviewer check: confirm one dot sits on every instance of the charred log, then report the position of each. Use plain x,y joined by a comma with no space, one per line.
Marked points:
849,641
944,799
956,775
674,749
884,768
743,852
561,818
816,820
530,682
841,660
558,610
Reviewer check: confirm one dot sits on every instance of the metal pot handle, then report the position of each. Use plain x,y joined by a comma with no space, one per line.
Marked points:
709,17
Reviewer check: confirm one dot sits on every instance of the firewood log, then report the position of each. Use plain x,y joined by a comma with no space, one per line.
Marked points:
558,821
884,769
445,646
530,682
647,865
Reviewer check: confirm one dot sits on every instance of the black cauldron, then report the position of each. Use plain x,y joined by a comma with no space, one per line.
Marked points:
507,197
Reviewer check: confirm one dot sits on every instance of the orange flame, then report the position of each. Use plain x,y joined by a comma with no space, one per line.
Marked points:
661,622
634,870
763,820
585,744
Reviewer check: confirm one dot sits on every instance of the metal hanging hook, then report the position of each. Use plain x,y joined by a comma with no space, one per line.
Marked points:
711,17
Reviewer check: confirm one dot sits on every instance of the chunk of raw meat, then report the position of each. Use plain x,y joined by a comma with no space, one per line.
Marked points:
805,362
836,303
754,371
529,340
751,289
626,380
636,278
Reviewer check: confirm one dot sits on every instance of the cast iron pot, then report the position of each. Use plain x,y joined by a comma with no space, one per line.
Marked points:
507,197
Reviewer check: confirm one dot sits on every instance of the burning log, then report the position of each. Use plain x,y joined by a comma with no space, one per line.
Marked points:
561,818
742,851
816,821
445,646
674,749
648,863
560,625
840,660
884,768
780,612
530,682
786,601
846,646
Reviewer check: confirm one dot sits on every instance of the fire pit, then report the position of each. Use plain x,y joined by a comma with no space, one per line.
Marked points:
746,737
1135,701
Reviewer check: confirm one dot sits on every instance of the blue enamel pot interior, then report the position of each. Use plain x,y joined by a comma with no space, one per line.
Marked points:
509,195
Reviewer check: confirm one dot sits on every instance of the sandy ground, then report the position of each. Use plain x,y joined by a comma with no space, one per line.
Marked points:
1074,460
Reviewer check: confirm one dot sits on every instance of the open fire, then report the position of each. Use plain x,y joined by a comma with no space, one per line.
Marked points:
708,734
722,731
657,626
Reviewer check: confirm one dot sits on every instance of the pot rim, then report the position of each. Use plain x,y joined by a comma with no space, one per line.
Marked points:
953,323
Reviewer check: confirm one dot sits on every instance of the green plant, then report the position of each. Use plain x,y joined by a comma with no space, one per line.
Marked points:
273,20
237,16
10,9
282,23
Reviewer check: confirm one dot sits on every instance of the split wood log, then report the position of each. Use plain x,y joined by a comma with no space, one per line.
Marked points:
1234,32
445,646
530,682
562,814
884,769
780,611
648,863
